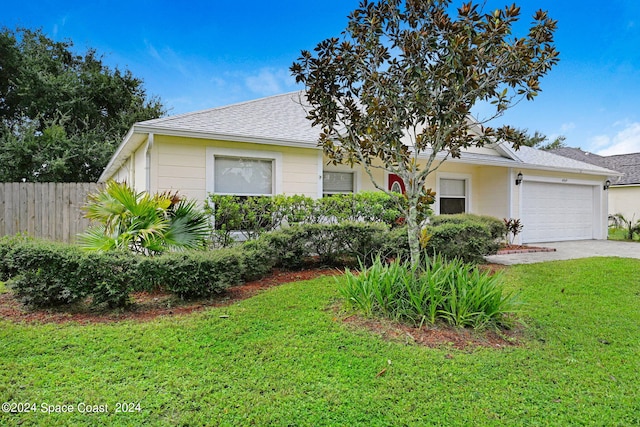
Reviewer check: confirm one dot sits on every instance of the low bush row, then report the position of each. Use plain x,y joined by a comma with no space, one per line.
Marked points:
45,274
254,215
52,274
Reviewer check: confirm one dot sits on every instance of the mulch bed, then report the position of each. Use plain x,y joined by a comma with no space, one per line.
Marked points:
522,249
148,306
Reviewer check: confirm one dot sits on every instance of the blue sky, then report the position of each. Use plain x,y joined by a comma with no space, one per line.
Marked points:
202,54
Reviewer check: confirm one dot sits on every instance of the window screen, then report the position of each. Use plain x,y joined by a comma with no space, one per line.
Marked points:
242,176
453,196
337,182
452,187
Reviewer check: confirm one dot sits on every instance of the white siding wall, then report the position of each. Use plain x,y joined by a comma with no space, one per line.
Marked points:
182,165
140,168
625,200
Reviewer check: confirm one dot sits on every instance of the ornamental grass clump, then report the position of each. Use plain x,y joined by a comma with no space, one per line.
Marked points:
450,291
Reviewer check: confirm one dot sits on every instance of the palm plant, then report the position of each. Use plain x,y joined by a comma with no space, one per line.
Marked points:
143,223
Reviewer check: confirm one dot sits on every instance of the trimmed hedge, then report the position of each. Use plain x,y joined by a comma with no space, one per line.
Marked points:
45,274
496,226
192,274
469,242
329,244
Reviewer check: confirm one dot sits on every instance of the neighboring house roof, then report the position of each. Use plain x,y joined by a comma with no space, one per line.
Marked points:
628,165
282,120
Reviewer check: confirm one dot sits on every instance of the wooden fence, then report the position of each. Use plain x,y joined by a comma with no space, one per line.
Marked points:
48,210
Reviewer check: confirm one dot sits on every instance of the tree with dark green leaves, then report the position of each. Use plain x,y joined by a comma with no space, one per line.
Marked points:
62,114
395,92
541,141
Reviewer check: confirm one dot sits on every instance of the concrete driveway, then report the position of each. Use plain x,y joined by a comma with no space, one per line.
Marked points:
571,250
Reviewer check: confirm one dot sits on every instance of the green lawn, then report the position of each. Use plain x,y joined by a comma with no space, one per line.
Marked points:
282,358
619,234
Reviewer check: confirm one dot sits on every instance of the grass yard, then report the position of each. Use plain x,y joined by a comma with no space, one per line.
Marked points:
619,234
283,358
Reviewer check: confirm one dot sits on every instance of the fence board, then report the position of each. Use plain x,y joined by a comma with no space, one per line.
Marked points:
50,211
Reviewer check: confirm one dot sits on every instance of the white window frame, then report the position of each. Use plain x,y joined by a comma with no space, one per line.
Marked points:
467,186
274,156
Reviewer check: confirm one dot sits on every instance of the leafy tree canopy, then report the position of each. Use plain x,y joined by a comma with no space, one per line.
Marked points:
62,114
541,141
396,90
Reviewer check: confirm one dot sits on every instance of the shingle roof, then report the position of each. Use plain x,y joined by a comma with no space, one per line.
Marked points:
282,120
546,159
627,164
279,118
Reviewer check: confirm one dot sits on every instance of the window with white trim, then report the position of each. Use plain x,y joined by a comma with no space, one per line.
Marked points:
243,176
338,182
453,196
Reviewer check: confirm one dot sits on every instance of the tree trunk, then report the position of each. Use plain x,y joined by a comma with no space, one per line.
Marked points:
413,233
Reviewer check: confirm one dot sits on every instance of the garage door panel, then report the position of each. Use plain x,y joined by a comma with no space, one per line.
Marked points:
553,211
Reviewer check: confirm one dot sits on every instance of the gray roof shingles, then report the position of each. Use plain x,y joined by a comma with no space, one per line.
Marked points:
627,164
279,118
283,119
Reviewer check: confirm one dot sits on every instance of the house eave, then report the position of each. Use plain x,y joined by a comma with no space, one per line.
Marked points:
227,137
624,185
513,163
129,144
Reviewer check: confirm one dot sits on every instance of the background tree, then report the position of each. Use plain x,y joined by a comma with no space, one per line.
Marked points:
541,141
396,92
62,114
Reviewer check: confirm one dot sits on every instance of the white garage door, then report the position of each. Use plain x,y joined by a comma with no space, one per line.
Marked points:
552,212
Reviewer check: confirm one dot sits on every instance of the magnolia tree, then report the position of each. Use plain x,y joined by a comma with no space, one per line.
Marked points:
395,92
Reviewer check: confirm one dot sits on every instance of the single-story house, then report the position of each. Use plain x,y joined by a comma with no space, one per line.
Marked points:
267,146
624,191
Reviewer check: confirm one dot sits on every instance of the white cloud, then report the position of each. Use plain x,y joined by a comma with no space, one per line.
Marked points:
270,81
168,58
625,141
566,127
153,52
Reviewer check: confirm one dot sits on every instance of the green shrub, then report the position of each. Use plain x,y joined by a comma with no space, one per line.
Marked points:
468,237
396,245
7,244
109,277
360,241
258,259
254,215
495,225
192,274
469,242
289,246
45,274
449,291
343,243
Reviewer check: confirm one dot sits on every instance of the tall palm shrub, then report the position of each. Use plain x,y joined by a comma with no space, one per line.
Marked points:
143,223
